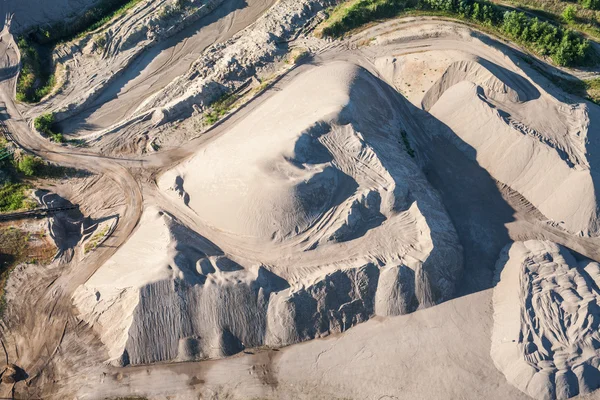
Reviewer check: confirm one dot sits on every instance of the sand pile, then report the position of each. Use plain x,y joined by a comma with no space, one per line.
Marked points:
533,143
526,134
321,217
546,318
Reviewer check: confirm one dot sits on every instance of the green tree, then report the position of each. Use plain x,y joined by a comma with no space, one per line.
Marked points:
29,165
44,123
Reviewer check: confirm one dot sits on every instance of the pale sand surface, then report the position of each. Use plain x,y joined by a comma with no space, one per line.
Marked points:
304,218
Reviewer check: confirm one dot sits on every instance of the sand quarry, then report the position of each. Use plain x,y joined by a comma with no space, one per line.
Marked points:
408,213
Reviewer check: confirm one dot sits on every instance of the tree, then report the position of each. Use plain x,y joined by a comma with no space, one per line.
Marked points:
44,123
29,165
571,50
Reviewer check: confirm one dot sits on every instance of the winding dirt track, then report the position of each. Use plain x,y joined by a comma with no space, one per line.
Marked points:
55,300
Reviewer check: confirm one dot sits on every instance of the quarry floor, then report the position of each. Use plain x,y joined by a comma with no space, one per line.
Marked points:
440,352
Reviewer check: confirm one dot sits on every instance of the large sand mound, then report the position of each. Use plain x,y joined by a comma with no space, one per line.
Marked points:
546,318
322,220
525,138
501,113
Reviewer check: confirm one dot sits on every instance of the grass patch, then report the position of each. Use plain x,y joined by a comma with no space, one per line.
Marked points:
13,197
593,89
297,55
588,89
355,13
36,79
19,246
89,21
563,46
220,108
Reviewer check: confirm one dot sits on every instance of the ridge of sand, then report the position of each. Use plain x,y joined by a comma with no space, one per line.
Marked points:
545,338
560,190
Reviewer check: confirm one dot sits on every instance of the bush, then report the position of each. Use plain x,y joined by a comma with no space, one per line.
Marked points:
570,13
565,47
13,197
29,165
35,81
44,124
571,50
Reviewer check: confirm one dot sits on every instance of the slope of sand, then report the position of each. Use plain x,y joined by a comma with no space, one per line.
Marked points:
546,316
85,68
528,136
325,219
159,65
538,151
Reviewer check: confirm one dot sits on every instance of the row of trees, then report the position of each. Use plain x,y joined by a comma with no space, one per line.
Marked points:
564,46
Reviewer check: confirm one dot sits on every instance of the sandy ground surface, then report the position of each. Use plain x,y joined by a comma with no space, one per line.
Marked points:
159,65
438,352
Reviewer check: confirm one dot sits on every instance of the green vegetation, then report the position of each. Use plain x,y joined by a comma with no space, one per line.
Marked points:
407,146
298,55
570,13
45,125
29,165
220,108
14,169
592,87
591,4
91,20
100,41
13,197
19,246
584,13
588,89
563,46
37,79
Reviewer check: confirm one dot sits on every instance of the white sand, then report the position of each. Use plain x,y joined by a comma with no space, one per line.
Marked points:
285,193
545,338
